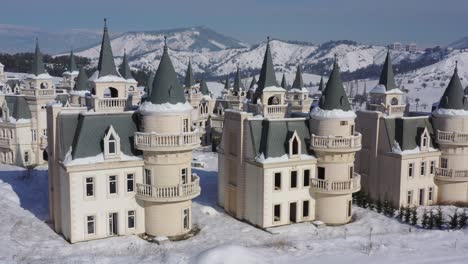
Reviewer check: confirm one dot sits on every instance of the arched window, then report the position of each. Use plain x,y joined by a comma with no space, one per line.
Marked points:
394,101
111,92
274,100
111,144
131,88
425,143
294,145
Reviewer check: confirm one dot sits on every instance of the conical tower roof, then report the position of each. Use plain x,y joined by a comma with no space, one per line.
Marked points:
321,85
227,84
82,83
453,97
284,85
253,83
166,87
238,86
124,68
72,65
149,83
298,82
189,79
334,96
204,87
267,73
37,66
386,76
106,65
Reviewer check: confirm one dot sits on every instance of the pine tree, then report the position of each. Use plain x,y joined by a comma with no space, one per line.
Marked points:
431,222
378,206
414,216
385,207
425,219
407,214
454,220
439,218
370,204
390,210
462,219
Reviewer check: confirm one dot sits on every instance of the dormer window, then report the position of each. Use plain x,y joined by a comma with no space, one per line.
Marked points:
294,145
111,144
425,140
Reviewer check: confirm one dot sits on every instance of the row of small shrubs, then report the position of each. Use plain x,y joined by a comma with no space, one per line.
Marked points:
430,219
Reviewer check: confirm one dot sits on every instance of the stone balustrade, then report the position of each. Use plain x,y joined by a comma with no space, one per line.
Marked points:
451,174
336,143
152,141
5,142
109,104
38,92
336,187
446,137
169,193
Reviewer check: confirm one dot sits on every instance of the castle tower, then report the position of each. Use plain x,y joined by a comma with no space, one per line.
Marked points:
167,140
252,88
131,83
386,97
298,96
70,75
335,143
108,88
450,121
80,89
269,98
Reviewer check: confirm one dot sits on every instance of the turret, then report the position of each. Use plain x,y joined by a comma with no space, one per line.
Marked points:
386,97
39,82
298,96
189,79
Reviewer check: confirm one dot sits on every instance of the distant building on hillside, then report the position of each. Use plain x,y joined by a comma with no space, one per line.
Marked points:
411,47
396,46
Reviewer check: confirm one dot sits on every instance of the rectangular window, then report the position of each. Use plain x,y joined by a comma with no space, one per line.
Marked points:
293,179
112,184
278,181
305,209
277,213
349,208
344,123
130,182
306,178
131,219
186,219
44,132
34,135
443,163
184,176
89,186
321,173
111,147
90,225
430,194
409,199
411,170
423,168
147,176
351,172
186,125
26,157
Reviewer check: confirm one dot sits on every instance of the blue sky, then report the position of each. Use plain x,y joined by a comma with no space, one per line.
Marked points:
426,22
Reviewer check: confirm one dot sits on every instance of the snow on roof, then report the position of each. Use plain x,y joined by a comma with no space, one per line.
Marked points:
284,158
165,108
40,76
449,112
380,89
79,93
71,73
273,89
318,113
110,78
99,158
12,120
397,149
303,90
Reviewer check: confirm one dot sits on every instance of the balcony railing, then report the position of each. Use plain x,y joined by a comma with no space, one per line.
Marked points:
5,142
391,109
274,109
331,186
451,174
452,137
38,92
169,193
332,142
109,104
151,140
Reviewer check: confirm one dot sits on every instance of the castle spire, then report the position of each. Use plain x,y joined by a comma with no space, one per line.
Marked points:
321,85
238,86
253,82
38,63
386,77
453,97
149,84
106,65
283,82
267,73
82,83
334,96
298,82
72,65
227,84
124,68
189,79
204,87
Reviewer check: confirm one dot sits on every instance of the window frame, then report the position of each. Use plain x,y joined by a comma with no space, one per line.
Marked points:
430,194
127,181
293,179
93,221
409,197
432,167
308,209
186,218
411,168
131,216
275,186
422,168
306,180
116,181
276,219
93,184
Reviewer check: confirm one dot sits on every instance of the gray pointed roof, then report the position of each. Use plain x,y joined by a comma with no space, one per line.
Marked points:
386,76
227,84
82,83
166,87
334,96
267,73
283,82
453,97
18,107
238,86
298,82
204,87
321,84
72,65
189,79
149,83
253,82
106,65
37,66
124,68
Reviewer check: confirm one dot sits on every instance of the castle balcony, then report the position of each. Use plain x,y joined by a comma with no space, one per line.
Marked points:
336,144
452,138
108,104
167,142
235,98
179,192
38,92
336,187
390,110
451,175
6,143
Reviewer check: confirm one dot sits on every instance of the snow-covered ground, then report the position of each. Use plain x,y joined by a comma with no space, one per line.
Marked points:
25,236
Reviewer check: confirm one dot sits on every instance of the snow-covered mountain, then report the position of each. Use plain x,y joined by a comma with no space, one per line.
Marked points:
460,44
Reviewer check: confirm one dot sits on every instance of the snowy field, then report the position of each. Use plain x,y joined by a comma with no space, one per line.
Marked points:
25,236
